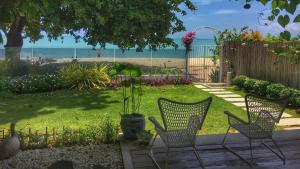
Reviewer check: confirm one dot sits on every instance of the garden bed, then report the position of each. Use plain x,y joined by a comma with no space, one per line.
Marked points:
103,156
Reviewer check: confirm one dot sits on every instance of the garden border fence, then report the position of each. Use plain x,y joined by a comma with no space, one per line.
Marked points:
257,60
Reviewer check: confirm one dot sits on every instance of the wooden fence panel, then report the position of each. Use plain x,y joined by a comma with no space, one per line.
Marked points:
256,60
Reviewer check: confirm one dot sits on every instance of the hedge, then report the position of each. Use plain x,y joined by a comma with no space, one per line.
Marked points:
267,89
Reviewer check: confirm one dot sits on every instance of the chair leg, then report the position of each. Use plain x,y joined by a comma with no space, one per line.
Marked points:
224,139
151,154
167,159
281,155
233,152
198,158
251,150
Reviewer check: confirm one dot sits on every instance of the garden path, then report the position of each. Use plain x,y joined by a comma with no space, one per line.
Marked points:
287,121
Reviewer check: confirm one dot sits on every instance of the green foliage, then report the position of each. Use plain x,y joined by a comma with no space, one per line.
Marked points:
34,83
249,84
109,130
292,52
239,81
145,137
294,96
283,10
123,23
274,90
260,87
82,77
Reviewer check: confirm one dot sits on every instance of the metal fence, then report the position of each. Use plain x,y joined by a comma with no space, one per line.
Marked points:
203,64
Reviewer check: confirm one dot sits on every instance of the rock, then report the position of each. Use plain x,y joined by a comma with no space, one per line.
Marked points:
63,164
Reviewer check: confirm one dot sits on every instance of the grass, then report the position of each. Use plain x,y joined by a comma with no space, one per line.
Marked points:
243,93
77,109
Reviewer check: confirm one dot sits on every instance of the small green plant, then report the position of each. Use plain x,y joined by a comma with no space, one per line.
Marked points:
249,84
239,81
260,87
81,77
144,137
274,90
109,130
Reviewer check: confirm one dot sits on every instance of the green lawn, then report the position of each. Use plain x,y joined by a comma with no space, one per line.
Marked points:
79,109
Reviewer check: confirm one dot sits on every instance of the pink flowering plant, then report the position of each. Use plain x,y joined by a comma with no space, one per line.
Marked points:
188,39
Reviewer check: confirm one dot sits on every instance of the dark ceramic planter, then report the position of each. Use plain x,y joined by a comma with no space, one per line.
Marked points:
131,125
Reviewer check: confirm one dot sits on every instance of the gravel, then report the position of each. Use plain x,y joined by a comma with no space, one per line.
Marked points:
83,157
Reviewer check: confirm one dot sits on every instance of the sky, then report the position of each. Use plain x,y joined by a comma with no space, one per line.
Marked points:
218,14
221,14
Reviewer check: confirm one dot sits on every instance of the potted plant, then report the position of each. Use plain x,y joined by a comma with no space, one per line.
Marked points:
132,121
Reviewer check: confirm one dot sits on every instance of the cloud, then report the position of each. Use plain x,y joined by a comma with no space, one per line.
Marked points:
226,11
275,28
206,2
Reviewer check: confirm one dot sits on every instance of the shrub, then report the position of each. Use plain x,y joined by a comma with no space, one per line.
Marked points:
294,96
249,84
239,81
145,137
109,130
274,90
83,77
15,69
34,83
260,87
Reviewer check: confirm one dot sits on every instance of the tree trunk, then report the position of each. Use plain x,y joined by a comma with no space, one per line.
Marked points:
14,40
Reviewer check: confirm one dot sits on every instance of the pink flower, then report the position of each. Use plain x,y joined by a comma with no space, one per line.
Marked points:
188,39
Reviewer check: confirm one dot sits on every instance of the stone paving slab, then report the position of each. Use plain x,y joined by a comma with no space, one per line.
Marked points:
286,115
229,96
200,86
220,92
235,99
239,104
213,90
292,128
289,122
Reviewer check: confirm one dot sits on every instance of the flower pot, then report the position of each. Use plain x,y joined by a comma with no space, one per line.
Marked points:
131,125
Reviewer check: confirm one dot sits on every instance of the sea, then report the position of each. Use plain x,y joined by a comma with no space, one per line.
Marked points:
66,49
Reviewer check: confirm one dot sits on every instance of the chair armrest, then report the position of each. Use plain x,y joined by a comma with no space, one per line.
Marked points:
233,117
158,127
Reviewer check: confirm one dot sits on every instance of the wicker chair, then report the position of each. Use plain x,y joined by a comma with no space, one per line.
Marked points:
181,124
263,115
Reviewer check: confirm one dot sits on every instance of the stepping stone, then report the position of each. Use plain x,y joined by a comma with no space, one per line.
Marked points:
220,92
229,96
286,115
213,90
200,86
289,122
292,128
235,99
239,104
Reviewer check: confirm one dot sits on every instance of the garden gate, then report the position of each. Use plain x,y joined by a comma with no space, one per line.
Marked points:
204,63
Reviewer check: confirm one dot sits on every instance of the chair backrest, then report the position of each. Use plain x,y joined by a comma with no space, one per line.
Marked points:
176,115
256,104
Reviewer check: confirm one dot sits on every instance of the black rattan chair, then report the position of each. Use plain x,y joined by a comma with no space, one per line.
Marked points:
263,115
181,122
